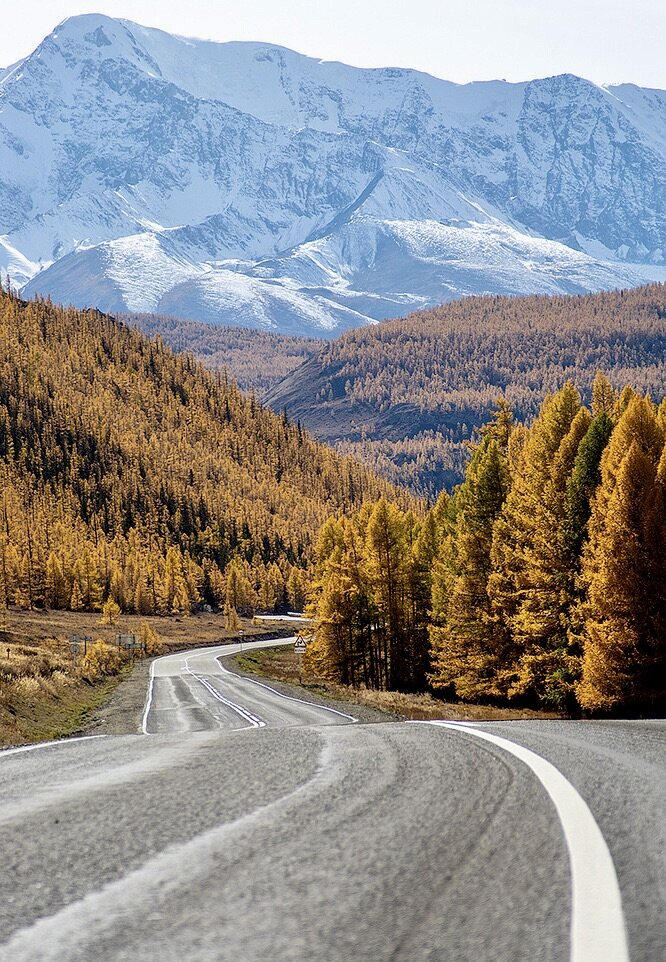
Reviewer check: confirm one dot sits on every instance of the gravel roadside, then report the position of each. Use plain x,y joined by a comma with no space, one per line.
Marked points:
122,713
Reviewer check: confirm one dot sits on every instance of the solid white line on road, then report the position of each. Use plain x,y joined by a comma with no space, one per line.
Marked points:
61,741
301,701
597,921
151,683
149,699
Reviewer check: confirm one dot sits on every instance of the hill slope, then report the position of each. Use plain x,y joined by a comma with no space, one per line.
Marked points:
127,471
256,360
246,184
407,394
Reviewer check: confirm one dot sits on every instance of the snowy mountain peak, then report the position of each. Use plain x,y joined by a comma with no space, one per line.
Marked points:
246,183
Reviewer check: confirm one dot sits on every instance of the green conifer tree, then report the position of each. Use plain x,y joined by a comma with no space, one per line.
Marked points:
466,643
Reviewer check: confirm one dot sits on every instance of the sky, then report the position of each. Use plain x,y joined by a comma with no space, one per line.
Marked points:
607,41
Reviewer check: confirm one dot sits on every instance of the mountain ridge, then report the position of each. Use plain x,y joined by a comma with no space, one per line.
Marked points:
245,183
407,396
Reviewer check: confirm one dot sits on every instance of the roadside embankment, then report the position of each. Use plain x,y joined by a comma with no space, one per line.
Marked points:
281,666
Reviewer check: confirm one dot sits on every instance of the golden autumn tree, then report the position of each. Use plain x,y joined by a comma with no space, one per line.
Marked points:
548,667
115,452
518,534
624,660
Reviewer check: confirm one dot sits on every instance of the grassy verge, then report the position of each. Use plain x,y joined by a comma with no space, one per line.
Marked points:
44,696
281,664
41,709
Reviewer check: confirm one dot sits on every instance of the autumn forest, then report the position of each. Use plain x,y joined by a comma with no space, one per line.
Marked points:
539,581
128,472
134,476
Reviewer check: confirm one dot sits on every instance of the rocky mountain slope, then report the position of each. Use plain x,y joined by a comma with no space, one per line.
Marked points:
243,183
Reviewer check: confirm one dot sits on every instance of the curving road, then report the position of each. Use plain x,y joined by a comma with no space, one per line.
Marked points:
192,691
255,828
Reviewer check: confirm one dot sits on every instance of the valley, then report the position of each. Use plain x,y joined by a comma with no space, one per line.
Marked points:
332,487
406,397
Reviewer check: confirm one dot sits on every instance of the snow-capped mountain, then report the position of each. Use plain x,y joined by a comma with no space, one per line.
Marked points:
244,183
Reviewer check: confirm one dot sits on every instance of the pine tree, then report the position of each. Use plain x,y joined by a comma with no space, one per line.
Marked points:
465,643
332,607
231,619
624,613
143,602
386,557
548,667
76,600
604,398
584,480
88,578
176,592
240,591
424,543
57,593
110,612
521,525
296,589
624,664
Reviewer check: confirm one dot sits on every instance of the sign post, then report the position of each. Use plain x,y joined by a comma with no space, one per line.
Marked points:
74,647
130,643
299,647
241,632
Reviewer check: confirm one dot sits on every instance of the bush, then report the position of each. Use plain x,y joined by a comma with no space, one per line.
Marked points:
99,661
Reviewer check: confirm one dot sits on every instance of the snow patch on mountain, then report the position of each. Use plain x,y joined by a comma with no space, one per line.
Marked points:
245,183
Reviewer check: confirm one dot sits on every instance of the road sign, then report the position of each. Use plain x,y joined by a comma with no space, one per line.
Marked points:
129,642
300,646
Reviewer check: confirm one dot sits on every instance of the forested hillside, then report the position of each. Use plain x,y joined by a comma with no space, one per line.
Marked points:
256,360
541,580
130,473
405,395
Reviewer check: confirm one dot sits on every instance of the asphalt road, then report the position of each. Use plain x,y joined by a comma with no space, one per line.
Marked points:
192,691
324,840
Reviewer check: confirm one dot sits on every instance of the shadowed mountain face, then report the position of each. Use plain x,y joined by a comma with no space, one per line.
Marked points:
243,183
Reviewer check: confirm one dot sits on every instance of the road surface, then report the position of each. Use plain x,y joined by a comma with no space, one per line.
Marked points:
294,834
192,692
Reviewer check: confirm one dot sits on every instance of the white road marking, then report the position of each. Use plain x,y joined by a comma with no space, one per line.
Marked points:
149,699
60,741
301,701
76,929
232,649
254,720
598,931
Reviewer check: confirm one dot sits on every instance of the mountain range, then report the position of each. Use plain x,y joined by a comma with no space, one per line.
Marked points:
245,184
